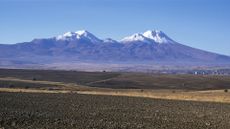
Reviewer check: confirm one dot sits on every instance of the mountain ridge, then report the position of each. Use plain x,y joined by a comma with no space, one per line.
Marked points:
80,46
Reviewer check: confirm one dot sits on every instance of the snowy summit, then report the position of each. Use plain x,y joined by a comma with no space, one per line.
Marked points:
149,37
135,37
150,46
157,36
81,34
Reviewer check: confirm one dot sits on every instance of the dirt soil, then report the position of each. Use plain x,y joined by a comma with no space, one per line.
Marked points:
71,110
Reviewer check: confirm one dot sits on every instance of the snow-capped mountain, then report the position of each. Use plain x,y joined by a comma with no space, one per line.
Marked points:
78,35
149,37
136,38
158,36
150,46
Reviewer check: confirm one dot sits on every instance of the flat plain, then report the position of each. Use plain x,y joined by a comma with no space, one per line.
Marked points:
113,100
40,110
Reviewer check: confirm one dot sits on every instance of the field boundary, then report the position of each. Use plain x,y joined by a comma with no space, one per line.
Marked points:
207,96
32,90
200,96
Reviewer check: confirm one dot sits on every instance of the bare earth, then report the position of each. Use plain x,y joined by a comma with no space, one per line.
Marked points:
38,99
205,96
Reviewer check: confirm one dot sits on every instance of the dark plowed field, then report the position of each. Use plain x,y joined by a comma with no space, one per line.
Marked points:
34,110
122,80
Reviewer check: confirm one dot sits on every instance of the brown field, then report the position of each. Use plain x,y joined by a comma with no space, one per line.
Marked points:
77,111
217,95
83,100
203,96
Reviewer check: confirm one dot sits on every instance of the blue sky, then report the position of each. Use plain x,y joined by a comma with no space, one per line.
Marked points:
203,24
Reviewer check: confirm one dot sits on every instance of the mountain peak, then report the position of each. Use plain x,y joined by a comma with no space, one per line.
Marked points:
153,31
81,34
157,36
150,36
73,47
68,34
135,37
87,35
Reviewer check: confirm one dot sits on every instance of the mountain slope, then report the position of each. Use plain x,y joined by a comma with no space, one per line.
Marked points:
151,46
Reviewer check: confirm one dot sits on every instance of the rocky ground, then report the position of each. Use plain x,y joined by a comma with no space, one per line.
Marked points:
40,110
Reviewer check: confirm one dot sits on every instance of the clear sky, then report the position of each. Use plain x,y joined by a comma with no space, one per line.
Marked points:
203,24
